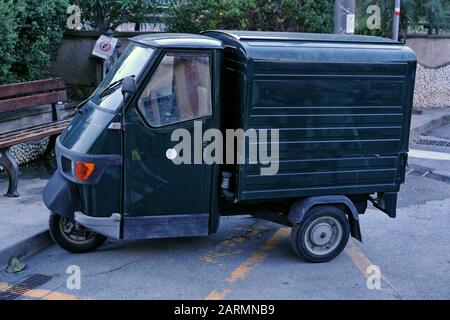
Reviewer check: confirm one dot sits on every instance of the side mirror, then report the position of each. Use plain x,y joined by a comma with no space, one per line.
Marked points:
129,85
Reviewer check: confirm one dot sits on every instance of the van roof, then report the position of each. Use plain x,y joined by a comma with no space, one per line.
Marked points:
298,36
178,40
336,48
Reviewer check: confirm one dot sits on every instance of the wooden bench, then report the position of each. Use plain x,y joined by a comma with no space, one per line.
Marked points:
27,95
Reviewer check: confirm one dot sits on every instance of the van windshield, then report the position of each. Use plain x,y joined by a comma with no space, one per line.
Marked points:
132,63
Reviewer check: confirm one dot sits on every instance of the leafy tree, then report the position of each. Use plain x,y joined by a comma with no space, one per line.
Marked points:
316,16
414,15
435,14
275,15
194,16
109,14
40,32
8,40
30,36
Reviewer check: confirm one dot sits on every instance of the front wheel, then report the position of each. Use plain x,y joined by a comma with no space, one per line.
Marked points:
72,236
322,235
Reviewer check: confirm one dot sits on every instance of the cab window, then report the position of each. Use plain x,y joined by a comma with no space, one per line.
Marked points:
179,90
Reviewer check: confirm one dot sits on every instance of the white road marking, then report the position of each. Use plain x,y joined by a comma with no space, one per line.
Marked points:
428,154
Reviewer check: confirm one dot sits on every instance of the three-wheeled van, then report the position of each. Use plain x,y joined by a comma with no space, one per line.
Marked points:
340,104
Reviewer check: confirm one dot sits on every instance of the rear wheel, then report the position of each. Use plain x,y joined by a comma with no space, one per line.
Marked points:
322,234
72,236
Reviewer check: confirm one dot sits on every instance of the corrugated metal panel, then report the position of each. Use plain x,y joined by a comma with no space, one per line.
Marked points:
343,110
341,128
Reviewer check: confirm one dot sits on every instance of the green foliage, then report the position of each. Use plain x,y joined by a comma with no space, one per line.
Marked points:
8,40
317,16
300,15
106,14
40,32
435,13
194,16
275,15
30,37
414,15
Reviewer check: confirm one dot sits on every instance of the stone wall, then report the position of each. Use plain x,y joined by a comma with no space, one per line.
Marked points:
433,51
433,71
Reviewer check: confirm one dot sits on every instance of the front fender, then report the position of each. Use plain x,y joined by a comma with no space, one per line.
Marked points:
61,196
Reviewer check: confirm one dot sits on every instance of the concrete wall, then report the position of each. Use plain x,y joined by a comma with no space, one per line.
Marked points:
74,63
432,51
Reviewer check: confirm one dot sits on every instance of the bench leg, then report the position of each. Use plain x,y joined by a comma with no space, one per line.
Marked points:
50,145
8,162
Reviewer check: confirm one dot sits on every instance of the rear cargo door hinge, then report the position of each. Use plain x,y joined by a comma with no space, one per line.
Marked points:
403,165
404,158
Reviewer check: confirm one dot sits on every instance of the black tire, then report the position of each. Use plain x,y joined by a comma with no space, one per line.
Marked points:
321,223
87,240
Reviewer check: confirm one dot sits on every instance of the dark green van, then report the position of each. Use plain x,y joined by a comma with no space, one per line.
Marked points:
340,105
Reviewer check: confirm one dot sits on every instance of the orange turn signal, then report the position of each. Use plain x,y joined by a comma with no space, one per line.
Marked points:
83,170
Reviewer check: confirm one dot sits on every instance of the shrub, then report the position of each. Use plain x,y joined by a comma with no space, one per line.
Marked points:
8,40
102,15
276,15
414,14
34,33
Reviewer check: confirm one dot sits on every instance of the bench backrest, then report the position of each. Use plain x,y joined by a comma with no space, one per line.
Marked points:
27,95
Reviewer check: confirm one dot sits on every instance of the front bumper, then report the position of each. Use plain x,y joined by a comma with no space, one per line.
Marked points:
67,159
61,196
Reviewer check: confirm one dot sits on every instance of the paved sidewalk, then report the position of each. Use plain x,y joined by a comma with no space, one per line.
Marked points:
430,159
23,220
427,120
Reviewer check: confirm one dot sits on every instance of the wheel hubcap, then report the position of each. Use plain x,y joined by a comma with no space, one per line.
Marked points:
75,232
323,235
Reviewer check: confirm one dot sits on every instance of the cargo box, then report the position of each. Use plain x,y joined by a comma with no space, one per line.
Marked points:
342,104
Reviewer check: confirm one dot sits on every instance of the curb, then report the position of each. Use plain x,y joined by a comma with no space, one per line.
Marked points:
427,126
25,248
428,173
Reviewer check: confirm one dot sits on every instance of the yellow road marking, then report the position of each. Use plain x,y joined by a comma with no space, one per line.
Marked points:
217,294
362,263
41,293
230,246
50,295
244,268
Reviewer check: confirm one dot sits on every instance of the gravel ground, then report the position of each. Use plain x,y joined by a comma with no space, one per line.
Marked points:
432,87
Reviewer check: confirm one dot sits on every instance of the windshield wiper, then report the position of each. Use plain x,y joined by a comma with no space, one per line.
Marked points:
112,87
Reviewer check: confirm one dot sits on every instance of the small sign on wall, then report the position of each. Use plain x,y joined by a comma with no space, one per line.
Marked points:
350,24
104,47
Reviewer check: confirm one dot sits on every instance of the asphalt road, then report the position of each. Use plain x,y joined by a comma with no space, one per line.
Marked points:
253,259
